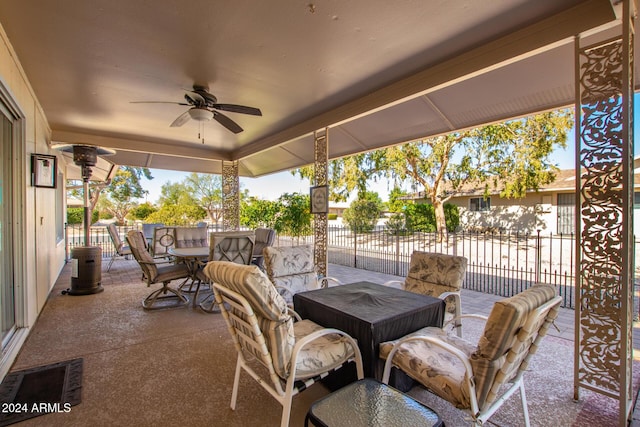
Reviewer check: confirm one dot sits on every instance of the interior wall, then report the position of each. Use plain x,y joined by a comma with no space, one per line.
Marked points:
39,257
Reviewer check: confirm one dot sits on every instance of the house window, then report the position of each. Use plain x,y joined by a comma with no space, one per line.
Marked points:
479,204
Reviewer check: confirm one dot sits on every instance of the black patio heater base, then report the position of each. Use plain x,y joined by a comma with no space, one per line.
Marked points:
86,271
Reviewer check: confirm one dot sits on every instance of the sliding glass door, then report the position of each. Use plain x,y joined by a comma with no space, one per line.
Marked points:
7,293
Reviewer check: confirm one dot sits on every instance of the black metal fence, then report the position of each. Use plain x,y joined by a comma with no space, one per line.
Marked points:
501,263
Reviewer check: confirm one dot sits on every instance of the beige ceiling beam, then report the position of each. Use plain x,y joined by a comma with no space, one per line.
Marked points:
529,41
139,145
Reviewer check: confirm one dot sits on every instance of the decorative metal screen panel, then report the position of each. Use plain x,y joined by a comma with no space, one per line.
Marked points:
230,196
604,209
320,220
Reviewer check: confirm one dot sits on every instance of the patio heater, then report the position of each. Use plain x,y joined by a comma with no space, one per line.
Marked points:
86,274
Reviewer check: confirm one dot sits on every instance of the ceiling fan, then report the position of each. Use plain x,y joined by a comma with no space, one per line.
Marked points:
204,107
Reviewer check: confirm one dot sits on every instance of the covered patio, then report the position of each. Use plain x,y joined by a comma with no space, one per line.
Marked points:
175,367
330,80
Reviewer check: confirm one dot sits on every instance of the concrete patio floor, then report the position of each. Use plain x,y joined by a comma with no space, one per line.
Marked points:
175,367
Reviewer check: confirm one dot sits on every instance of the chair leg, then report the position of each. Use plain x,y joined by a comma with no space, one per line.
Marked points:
113,258
162,294
525,409
209,307
236,383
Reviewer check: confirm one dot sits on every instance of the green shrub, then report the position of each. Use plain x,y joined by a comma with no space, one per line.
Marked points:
332,216
75,215
361,216
451,216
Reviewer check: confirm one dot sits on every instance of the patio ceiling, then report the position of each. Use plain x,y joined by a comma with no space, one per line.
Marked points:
375,72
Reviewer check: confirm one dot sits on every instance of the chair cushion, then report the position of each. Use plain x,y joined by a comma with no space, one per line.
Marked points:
322,354
288,260
251,283
171,272
433,273
432,366
191,237
505,321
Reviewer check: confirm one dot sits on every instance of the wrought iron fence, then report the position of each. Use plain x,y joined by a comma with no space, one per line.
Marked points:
500,263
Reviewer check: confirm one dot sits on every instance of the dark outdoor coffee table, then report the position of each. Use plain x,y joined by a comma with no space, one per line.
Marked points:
370,403
370,313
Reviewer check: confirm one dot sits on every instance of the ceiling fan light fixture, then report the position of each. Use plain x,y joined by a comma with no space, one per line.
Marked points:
200,114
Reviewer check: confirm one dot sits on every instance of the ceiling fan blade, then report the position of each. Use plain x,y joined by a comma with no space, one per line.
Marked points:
227,122
182,119
195,97
232,108
158,102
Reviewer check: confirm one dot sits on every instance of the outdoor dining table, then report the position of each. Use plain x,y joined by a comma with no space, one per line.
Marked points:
192,258
370,313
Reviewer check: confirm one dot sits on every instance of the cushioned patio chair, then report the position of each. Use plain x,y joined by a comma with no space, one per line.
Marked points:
291,269
437,275
120,248
156,271
232,246
265,237
471,376
295,354
191,237
164,238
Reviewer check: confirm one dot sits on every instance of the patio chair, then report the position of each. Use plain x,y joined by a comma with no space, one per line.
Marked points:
147,230
291,269
156,271
191,237
163,239
264,237
437,275
231,246
295,354
120,248
471,377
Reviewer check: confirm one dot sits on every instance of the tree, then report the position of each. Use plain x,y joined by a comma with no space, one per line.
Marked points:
256,212
511,157
362,215
142,211
177,206
293,217
206,190
124,188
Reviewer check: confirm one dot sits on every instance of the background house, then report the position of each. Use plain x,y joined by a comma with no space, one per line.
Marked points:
550,209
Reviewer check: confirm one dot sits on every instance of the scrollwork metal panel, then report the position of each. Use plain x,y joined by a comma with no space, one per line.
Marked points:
604,207
320,220
230,196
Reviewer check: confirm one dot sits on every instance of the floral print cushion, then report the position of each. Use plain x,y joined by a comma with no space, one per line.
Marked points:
288,260
322,354
432,366
433,273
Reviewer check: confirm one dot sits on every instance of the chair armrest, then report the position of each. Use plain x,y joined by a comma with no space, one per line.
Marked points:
168,261
317,334
294,313
456,319
324,281
394,284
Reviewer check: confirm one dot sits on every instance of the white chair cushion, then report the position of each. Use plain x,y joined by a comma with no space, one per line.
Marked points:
432,366
322,354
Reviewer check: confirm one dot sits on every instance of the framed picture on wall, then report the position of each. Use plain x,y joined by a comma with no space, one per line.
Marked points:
43,170
319,199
